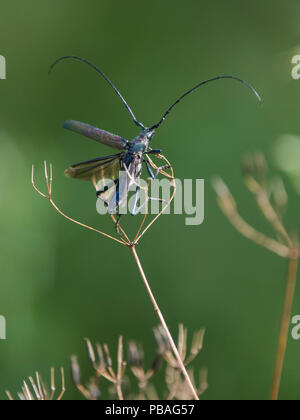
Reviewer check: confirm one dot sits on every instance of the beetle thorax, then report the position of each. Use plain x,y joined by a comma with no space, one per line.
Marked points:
139,144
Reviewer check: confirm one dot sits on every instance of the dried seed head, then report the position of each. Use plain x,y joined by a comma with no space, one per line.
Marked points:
198,339
75,370
101,364
162,341
157,363
135,354
108,356
94,390
90,350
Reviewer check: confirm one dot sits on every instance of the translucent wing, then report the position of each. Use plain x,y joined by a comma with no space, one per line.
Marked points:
97,169
109,176
104,172
97,134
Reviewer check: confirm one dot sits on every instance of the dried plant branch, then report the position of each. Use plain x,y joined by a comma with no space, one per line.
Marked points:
171,177
103,367
38,381
50,199
146,212
285,323
101,360
38,390
63,385
75,369
197,346
263,201
228,206
121,370
284,246
136,363
35,388
124,239
10,397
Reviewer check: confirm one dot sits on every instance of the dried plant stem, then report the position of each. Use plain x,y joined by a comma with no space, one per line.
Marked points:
228,205
39,391
285,247
285,323
120,372
163,323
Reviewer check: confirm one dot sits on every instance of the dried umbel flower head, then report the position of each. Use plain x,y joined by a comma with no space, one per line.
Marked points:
177,386
37,389
121,384
122,237
137,365
271,199
135,355
102,362
91,390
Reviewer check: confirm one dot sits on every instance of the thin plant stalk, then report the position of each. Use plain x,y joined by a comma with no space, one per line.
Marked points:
163,323
120,370
38,390
285,323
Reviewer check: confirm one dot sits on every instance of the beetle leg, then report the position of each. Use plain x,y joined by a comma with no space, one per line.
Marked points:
150,172
154,152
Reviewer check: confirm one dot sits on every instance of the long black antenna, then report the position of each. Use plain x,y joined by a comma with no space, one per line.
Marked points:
105,77
197,86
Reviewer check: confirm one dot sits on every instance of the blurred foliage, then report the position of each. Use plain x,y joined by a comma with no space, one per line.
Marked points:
60,283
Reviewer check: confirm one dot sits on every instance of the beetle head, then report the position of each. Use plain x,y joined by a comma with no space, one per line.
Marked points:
148,133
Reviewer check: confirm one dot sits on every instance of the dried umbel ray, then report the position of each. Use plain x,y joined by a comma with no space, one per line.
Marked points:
176,385
35,389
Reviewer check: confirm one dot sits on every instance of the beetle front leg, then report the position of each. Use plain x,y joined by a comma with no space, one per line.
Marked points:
154,152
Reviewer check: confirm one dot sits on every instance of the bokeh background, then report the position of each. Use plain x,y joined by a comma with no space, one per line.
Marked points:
60,283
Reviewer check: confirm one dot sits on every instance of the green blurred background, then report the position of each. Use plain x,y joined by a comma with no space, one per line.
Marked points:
60,283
